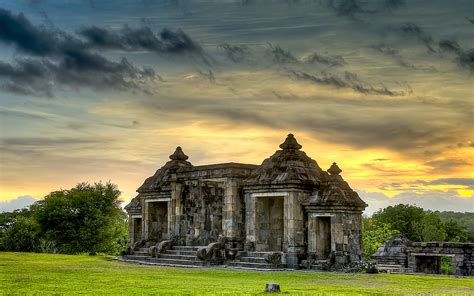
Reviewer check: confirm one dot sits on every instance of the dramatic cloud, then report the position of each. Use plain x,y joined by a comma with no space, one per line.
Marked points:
281,56
413,30
326,59
434,200
128,39
236,53
351,81
61,60
394,54
465,58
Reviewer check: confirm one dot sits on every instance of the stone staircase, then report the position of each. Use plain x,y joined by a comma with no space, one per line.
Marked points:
254,261
318,265
177,256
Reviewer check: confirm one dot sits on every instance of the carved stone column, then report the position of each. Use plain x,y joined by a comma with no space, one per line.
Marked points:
294,230
231,212
175,209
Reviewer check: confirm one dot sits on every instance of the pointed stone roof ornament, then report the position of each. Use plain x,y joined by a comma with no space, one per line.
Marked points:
334,169
290,143
178,154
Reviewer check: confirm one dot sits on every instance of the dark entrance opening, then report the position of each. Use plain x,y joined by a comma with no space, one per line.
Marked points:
158,221
428,264
323,237
270,226
137,229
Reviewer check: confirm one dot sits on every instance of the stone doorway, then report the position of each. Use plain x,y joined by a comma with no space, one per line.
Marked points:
428,264
319,236
158,221
137,229
269,226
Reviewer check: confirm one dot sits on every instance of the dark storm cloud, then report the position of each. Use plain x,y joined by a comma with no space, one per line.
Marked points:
465,182
350,81
128,39
26,77
353,7
346,7
332,61
18,31
465,58
61,60
413,30
394,54
46,141
236,53
281,56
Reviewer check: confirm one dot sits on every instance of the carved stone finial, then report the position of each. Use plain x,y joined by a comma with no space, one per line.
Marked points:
290,143
178,154
334,169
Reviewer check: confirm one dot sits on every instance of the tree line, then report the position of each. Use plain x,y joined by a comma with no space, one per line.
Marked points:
87,218
416,224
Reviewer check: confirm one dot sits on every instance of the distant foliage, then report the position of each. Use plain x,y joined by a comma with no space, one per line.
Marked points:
374,235
420,225
86,218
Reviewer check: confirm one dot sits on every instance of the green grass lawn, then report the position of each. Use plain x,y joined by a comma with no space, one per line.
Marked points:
27,273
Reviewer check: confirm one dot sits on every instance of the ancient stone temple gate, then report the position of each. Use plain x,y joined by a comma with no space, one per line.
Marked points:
276,214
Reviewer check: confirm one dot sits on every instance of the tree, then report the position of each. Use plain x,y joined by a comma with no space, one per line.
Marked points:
19,232
404,218
374,235
455,232
86,218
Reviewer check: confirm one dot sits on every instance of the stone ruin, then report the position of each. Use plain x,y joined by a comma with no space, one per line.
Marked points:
400,255
286,212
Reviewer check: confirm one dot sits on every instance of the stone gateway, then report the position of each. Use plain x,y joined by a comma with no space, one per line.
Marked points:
282,213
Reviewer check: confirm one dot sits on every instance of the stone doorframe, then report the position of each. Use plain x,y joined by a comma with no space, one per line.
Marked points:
455,262
314,236
146,216
131,228
293,221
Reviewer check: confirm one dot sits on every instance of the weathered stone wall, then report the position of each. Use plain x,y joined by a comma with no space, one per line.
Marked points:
346,235
201,222
402,255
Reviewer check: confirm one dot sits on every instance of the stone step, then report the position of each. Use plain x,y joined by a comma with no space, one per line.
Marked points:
178,261
256,254
253,259
143,253
257,269
156,264
177,256
143,250
136,257
187,248
255,265
180,252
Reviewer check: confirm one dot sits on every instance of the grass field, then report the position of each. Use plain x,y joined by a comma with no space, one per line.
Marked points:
27,273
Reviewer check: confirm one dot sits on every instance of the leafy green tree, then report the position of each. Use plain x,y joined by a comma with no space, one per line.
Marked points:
19,232
431,228
404,218
86,218
455,232
374,235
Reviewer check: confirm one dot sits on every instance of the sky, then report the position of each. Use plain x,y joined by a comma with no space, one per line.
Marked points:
105,90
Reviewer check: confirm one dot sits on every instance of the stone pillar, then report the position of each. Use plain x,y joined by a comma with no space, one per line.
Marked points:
250,218
131,231
175,209
146,218
294,230
231,212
